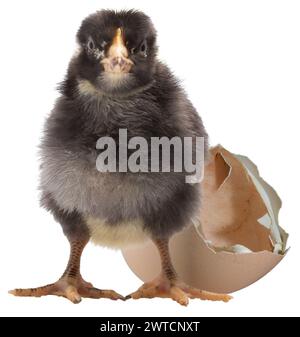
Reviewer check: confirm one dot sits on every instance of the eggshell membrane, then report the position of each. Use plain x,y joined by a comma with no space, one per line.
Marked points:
202,253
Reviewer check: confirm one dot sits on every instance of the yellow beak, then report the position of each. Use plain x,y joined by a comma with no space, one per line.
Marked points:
117,60
118,48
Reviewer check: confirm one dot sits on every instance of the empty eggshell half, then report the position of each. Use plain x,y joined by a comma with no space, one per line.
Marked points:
236,238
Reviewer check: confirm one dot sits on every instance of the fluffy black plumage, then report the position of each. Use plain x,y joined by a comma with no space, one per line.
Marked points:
148,101
115,82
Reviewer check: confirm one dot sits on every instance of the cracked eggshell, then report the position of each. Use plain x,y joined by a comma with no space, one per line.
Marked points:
236,238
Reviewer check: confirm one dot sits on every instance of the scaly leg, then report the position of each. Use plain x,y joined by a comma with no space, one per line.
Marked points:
167,285
71,284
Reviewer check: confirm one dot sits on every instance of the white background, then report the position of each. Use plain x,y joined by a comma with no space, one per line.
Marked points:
240,64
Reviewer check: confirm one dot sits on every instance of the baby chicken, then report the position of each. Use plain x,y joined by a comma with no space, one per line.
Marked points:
116,82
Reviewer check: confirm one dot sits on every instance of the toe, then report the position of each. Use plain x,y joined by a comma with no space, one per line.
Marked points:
34,292
145,292
71,294
206,295
179,296
135,295
13,292
115,296
98,293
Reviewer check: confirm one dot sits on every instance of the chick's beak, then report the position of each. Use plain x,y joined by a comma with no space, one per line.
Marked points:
117,60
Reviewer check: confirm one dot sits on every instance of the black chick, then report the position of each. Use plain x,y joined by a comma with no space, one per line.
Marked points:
116,82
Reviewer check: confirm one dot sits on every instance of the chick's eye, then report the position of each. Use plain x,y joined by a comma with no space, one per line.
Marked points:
90,44
143,48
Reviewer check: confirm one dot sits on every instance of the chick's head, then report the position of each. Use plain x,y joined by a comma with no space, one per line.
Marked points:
117,50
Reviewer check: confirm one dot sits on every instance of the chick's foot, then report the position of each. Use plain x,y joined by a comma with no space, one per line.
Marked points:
175,290
168,284
70,288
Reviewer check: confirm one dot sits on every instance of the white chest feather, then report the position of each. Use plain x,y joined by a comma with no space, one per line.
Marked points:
117,235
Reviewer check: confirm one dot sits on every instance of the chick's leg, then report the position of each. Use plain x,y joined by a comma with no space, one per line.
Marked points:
168,285
71,285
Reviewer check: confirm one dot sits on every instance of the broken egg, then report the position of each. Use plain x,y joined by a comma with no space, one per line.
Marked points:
236,238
